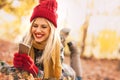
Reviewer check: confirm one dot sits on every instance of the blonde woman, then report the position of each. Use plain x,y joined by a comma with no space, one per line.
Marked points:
44,41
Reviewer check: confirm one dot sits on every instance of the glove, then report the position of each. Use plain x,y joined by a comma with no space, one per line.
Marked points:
25,62
17,61
28,64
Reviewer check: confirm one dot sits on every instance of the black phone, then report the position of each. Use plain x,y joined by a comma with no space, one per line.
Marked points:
23,48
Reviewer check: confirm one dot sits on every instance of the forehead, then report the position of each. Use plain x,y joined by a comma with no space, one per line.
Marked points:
40,21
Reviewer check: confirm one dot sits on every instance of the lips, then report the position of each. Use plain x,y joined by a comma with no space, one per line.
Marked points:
39,35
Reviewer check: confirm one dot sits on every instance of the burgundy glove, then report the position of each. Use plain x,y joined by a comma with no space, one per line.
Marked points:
25,62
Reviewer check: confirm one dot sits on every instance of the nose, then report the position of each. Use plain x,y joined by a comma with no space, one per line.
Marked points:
38,29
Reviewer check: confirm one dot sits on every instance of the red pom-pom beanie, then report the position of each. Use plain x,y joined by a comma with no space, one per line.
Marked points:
46,9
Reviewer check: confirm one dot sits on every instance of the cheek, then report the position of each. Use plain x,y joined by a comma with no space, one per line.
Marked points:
48,32
32,30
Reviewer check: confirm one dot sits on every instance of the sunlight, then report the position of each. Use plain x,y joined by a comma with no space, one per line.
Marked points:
16,3
72,15
3,17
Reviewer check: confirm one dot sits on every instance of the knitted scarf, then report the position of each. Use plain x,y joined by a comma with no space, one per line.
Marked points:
52,68
39,46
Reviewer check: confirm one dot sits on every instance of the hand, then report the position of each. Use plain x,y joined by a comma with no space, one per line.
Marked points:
17,61
25,62
28,64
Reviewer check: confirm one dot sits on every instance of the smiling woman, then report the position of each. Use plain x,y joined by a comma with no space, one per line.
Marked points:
43,59
40,29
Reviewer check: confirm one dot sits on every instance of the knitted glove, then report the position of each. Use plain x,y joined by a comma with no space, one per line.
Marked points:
28,64
25,62
17,61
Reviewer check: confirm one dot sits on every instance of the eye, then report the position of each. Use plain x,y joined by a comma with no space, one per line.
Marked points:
44,26
35,25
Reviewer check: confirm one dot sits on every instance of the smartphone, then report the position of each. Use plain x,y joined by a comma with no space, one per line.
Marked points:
23,48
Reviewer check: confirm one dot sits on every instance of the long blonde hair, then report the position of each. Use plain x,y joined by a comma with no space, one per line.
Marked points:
52,44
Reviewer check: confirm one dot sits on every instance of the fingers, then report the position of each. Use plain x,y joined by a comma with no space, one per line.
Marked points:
27,59
17,61
22,60
17,64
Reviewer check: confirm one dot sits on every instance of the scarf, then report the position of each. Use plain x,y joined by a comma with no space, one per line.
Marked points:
39,46
52,68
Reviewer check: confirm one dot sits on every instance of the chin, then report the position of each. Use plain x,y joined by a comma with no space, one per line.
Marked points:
38,41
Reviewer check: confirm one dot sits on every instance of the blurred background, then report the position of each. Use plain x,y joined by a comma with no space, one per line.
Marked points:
93,24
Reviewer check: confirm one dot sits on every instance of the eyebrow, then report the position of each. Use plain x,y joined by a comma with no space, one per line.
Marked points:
41,24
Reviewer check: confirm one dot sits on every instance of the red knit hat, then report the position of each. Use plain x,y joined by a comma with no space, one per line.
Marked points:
46,9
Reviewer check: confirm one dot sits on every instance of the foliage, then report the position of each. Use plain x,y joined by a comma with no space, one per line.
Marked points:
17,7
11,26
108,40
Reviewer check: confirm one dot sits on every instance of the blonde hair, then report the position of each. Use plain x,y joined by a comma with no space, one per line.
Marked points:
52,44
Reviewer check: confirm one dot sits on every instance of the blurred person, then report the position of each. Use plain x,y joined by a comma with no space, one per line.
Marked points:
75,62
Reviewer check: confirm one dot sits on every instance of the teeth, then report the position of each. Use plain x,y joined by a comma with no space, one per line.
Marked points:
38,35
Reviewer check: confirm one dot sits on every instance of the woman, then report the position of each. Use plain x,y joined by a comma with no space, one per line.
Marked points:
43,39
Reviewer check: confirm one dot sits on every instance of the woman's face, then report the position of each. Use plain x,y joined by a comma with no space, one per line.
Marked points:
40,30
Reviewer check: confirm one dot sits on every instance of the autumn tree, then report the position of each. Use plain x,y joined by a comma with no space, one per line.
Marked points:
18,9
